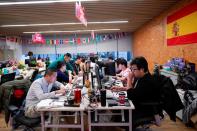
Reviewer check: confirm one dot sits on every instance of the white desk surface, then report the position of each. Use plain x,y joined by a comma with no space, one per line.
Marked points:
65,108
99,107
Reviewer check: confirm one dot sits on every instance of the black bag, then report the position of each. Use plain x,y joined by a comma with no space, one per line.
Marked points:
188,83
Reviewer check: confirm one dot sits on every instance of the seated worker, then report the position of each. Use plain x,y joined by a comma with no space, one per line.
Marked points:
129,83
117,62
123,75
82,65
65,58
142,90
40,89
61,76
76,65
93,65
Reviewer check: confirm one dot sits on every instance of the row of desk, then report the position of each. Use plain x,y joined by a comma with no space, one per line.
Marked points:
27,73
92,112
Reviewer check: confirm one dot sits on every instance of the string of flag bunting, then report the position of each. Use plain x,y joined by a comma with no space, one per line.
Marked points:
77,40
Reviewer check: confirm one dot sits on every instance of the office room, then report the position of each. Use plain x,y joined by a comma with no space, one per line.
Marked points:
92,65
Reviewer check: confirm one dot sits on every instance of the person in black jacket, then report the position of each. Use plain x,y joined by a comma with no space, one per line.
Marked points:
143,89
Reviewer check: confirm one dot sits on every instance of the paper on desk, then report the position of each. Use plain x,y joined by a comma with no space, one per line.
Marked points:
57,104
110,94
50,103
44,103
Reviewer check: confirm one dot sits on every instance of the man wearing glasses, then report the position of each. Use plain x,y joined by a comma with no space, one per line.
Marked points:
142,89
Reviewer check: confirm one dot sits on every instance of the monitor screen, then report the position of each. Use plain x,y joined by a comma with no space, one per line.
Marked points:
27,61
110,69
98,77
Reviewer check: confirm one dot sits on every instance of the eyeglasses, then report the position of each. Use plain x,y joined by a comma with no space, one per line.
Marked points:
134,69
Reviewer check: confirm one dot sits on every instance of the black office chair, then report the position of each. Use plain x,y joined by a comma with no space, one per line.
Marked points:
7,77
17,112
153,119
19,119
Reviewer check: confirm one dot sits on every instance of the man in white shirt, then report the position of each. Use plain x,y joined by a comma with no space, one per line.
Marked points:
40,90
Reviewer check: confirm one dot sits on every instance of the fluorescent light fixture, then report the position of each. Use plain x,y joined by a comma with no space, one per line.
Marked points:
41,2
73,31
72,23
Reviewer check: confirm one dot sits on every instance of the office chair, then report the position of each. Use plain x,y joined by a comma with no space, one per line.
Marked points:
19,119
17,115
152,119
7,77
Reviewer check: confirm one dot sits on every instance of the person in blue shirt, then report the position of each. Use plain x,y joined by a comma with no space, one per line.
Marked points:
61,76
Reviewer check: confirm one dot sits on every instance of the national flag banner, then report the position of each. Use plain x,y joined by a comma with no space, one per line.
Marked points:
74,40
71,41
51,42
66,41
78,41
10,39
83,40
61,41
109,36
48,42
57,42
92,41
98,38
87,40
37,38
54,42
92,35
104,37
182,26
80,13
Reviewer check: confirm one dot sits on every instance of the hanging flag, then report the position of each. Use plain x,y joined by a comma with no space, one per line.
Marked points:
10,39
37,38
83,40
80,13
66,41
104,37
78,41
109,36
74,40
61,42
97,38
57,42
87,40
48,42
181,26
71,41
54,42
51,42
92,35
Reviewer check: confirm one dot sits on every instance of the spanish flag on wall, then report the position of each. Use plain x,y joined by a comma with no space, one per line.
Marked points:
182,26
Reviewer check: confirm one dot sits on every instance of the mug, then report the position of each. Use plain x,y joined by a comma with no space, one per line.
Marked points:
77,94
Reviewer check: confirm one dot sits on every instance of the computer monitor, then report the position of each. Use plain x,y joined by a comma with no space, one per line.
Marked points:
97,75
27,61
110,68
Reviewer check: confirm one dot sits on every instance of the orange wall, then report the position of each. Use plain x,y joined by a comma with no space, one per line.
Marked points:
150,41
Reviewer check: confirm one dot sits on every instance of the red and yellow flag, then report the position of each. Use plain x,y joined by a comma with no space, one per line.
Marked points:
182,26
